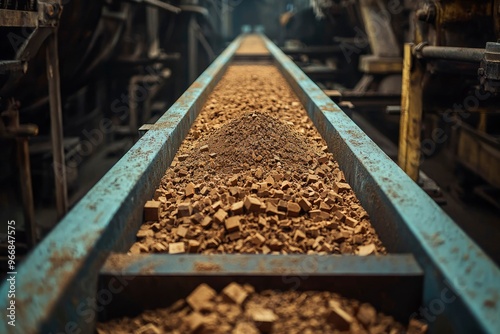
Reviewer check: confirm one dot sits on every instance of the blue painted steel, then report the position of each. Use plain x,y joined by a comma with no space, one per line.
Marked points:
56,278
406,218
241,264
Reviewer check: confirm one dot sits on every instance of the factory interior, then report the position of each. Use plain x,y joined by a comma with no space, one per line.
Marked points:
250,166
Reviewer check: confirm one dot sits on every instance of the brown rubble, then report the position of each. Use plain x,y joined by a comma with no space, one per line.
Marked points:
254,176
240,309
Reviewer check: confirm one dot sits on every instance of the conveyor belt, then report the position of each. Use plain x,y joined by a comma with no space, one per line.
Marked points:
431,263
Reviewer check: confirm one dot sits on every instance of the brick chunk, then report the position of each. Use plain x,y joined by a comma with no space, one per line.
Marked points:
351,222
138,248
237,208
233,181
318,215
193,246
201,298
258,239
325,207
197,218
282,205
293,209
233,224
159,247
341,187
206,222
252,204
263,318
271,209
183,157
176,248
196,322
213,243
220,216
158,194
259,172
278,194
339,318
217,205
417,327
366,250
184,210
323,159
234,236
367,314
148,329
311,178
145,234
285,185
299,236
182,231
305,204
245,328
235,293
152,211
339,215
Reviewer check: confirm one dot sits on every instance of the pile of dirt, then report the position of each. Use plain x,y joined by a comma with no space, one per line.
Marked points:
255,139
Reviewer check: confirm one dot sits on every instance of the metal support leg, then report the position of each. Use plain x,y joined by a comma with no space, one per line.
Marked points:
192,50
411,115
23,158
59,162
22,134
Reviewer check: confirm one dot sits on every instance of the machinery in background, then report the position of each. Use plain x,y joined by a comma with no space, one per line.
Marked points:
443,106
450,93
75,76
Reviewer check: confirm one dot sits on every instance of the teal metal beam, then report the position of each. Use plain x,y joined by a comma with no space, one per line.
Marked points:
392,283
406,218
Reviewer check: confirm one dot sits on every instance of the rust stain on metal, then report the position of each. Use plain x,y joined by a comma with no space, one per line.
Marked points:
96,219
140,154
206,266
196,85
166,125
148,269
490,303
58,259
118,262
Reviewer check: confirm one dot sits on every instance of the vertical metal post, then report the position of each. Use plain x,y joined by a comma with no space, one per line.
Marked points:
59,163
152,20
226,19
192,50
411,115
23,159
23,162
